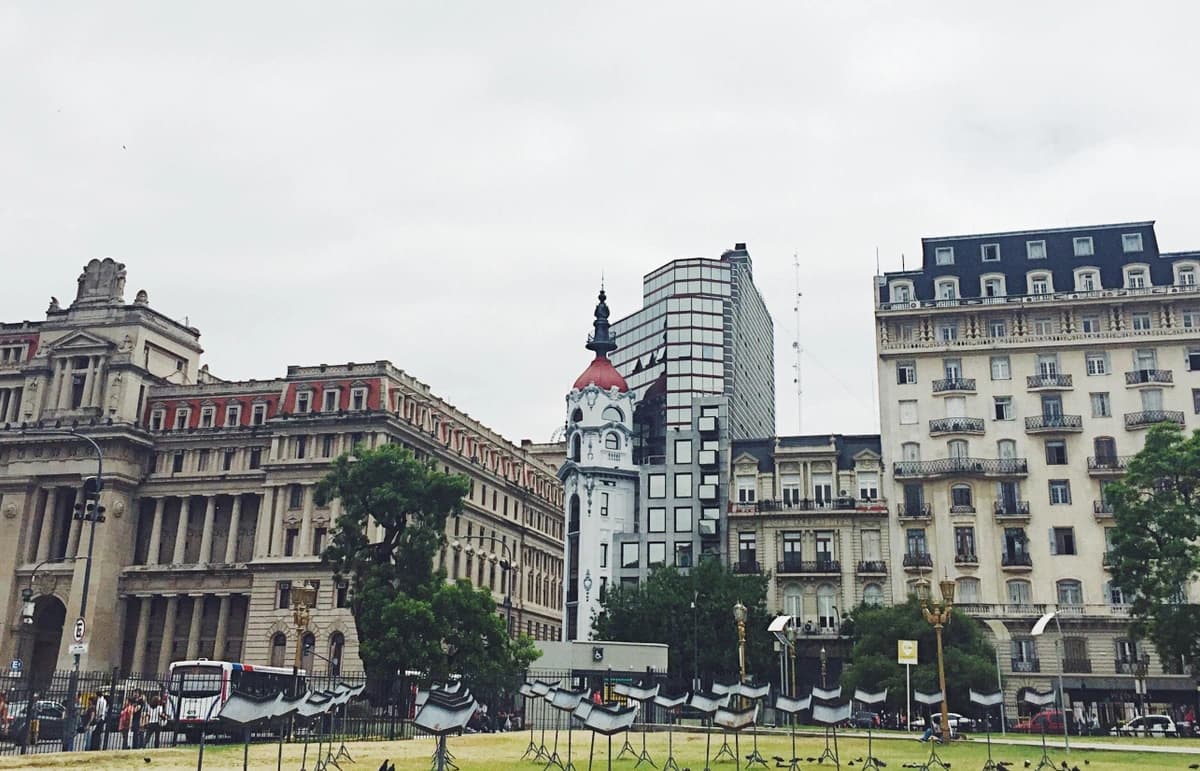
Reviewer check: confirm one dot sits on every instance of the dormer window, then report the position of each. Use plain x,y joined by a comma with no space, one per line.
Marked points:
156,420
944,255
1185,275
1135,278
992,286
233,415
1084,247
1087,281
1035,250
947,289
990,252
901,293
182,414
332,397
1131,242
303,402
358,398
206,417
259,415
1039,283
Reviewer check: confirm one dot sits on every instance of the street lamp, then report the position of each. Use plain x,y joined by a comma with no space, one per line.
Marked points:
303,598
1038,629
739,617
791,637
1140,669
938,614
824,665
28,607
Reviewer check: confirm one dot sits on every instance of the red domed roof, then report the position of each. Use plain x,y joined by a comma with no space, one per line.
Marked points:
602,373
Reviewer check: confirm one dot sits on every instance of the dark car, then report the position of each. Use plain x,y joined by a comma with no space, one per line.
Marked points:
864,719
50,715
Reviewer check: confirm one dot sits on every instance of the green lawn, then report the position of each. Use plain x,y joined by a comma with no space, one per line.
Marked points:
501,752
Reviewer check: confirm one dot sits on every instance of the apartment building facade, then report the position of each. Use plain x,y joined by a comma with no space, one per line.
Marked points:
209,490
1017,373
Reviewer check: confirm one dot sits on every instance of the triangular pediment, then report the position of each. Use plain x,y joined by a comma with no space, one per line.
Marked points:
867,455
744,459
79,341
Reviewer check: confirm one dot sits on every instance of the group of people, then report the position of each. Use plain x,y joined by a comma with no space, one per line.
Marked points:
142,719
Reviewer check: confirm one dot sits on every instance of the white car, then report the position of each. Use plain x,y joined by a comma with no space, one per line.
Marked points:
1148,725
957,722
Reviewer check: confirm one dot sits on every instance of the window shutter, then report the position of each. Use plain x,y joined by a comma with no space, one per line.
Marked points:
1053,545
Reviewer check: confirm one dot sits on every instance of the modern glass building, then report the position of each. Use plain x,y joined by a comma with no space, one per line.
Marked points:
703,330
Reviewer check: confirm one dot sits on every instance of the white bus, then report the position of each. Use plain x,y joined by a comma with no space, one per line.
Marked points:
199,688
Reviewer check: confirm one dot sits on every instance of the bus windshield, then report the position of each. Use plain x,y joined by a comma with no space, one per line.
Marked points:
196,680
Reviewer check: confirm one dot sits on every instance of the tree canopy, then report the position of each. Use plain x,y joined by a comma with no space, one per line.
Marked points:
874,632
659,610
392,524
1154,554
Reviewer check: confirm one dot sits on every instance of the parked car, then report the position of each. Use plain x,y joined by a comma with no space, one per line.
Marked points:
1048,721
1147,725
50,714
957,722
864,719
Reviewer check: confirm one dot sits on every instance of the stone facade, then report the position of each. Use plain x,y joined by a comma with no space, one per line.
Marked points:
209,491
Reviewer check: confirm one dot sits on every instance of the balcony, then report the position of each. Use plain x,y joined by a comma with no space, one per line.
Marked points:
966,559
1102,509
954,385
747,567
1148,418
706,458
872,567
1032,611
809,567
1026,665
1108,465
1055,382
988,467
962,508
1077,666
920,511
1016,561
1140,377
944,426
1005,510
918,561
1107,560
812,504
1053,424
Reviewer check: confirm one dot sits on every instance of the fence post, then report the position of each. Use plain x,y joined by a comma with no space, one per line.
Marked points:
29,711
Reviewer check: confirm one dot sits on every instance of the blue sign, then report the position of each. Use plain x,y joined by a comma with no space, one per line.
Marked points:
15,666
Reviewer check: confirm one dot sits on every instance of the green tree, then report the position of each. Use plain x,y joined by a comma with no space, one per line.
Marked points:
1154,543
392,523
659,610
874,632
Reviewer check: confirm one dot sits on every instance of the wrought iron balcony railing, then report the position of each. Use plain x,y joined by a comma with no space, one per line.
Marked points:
1054,423
1016,509
914,511
1020,559
1151,417
918,560
1149,377
965,466
1108,464
939,426
1034,382
950,384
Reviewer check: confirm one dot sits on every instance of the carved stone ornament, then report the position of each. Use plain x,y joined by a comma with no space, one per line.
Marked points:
118,509
45,583
10,510
592,395
291,519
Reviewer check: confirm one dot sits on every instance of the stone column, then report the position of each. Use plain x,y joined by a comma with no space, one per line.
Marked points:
193,641
138,664
210,512
222,628
277,521
231,543
64,386
262,531
46,536
185,511
304,548
152,551
168,635
89,382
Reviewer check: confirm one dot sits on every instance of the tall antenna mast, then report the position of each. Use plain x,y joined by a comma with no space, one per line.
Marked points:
798,350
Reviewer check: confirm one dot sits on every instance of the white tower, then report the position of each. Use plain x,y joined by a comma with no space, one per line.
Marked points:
599,479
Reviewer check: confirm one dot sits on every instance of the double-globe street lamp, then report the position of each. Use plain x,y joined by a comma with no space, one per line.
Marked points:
506,563
938,614
739,618
303,598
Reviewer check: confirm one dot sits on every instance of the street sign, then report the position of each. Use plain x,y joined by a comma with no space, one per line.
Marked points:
906,652
80,628
78,649
15,666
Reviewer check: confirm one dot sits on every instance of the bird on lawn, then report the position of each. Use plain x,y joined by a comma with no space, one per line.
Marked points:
1194,765
145,760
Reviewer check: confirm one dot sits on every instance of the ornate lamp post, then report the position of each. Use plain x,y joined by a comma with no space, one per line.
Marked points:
1141,668
791,637
303,598
824,665
739,617
938,614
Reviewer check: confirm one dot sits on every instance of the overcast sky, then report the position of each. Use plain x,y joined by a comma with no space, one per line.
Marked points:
441,184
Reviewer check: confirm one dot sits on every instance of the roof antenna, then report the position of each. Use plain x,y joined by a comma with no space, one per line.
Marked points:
602,279
799,351
877,261
902,261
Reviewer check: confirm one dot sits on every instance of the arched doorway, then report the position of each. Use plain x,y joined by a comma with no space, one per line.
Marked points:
49,615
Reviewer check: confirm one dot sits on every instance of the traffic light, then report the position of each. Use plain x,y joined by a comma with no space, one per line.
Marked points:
90,509
92,487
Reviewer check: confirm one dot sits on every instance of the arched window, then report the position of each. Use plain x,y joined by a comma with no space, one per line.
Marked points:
910,451
1006,449
337,645
1039,282
1114,594
308,645
613,414
1137,276
612,441
1070,592
576,415
1020,592
873,595
947,288
900,291
278,649
961,499
968,591
826,606
958,448
576,447
991,285
793,601
573,523
1087,279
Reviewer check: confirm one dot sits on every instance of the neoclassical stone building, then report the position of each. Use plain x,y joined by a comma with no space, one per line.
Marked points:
209,492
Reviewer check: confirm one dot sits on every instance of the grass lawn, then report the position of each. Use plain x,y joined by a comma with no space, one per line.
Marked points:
501,752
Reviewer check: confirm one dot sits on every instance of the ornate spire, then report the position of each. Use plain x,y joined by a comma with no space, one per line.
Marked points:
601,340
